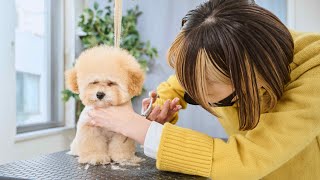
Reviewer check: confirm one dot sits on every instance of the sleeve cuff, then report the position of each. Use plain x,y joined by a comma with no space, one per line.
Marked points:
184,150
152,140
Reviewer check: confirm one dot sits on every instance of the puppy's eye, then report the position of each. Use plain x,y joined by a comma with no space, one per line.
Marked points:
94,82
112,83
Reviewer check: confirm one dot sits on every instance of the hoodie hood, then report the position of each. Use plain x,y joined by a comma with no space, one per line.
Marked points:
306,53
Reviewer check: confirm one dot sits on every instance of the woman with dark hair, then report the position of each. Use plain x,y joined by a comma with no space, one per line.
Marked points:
239,62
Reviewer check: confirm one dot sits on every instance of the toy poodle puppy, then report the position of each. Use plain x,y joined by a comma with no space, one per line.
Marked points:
103,76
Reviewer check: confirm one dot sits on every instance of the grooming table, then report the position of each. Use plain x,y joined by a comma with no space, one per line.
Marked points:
63,166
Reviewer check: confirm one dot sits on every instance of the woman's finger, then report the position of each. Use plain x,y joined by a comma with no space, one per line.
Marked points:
174,103
164,112
97,122
89,113
177,108
174,107
173,111
99,115
94,113
154,113
153,95
93,123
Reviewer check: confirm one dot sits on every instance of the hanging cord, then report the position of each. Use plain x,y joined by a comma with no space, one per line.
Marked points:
117,29
117,22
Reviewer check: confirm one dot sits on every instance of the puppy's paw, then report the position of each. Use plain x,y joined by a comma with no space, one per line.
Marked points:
136,159
133,161
95,159
118,158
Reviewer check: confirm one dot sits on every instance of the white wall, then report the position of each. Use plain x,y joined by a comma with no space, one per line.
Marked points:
304,15
7,91
12,147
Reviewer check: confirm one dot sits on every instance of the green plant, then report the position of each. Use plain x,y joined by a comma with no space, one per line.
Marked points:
98,27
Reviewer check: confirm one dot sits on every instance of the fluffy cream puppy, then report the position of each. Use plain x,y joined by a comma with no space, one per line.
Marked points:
103,76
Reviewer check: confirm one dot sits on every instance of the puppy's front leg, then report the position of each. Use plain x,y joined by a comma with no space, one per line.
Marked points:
92,146
122,149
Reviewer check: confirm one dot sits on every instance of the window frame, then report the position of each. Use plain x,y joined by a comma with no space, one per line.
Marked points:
55,66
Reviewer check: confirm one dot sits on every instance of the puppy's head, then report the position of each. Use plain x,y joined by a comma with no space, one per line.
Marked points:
105,76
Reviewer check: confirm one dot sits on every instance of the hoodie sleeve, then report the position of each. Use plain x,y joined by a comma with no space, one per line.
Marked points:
280,135
171,89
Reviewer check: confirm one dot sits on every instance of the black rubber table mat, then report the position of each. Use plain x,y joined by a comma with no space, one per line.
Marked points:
63,166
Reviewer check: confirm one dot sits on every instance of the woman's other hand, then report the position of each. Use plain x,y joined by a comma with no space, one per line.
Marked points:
161,114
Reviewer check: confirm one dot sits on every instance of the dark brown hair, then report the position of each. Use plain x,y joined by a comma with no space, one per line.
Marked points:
239,42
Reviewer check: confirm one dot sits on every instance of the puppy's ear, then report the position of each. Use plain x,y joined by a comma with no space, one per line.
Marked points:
71,80
136,80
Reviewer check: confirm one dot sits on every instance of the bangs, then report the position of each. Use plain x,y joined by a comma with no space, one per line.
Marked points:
194,68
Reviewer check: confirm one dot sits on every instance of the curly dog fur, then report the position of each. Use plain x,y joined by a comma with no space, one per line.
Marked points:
103,76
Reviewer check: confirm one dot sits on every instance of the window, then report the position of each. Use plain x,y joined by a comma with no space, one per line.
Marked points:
38,60
28,100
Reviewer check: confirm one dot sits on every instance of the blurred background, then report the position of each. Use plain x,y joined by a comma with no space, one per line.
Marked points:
40,39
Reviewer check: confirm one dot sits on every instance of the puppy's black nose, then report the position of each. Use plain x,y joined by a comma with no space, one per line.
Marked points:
100,95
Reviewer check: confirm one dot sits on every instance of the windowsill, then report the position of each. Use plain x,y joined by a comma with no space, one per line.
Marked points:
41,133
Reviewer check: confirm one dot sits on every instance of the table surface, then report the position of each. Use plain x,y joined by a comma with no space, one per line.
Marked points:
63,166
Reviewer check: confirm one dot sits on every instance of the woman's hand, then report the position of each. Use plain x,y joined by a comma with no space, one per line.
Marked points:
121,119
161,114
112,118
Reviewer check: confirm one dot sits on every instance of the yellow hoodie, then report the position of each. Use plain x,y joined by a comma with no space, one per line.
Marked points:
284,145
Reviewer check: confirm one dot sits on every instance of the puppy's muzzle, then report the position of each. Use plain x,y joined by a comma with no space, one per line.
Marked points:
100,95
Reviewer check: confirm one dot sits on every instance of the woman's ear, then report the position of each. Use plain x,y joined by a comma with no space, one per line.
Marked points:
136,80
71,80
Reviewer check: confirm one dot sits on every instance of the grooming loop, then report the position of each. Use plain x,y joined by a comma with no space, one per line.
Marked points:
117,22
